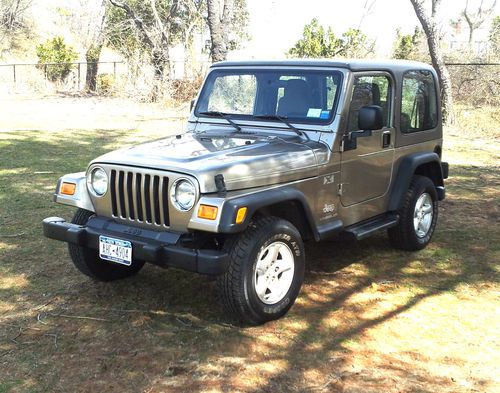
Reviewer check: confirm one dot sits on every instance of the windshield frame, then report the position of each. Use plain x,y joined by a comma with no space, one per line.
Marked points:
292,70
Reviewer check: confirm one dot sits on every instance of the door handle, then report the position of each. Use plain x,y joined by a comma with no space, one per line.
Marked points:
386,138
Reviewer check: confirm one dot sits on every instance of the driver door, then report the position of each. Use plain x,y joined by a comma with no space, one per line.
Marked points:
367,169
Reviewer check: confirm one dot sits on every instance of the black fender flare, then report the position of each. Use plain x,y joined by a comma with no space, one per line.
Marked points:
258,200
406,170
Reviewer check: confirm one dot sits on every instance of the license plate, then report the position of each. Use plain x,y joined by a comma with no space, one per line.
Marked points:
115,250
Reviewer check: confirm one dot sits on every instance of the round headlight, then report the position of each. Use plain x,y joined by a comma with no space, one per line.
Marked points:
183,194
99,181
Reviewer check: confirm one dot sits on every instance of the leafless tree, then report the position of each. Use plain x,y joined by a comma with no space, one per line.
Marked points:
88,25
475,19
12,13
155,36
15,24
193,20
430,25
367,10
220,13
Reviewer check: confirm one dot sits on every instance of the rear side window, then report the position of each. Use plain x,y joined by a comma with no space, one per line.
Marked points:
419,111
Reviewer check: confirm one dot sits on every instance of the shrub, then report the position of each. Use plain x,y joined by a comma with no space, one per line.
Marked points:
105,83
183,90
58,55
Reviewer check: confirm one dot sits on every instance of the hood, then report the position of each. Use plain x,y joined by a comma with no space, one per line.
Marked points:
244,160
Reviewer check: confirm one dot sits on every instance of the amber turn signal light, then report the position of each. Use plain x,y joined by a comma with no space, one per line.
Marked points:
240,215
207,212
68,188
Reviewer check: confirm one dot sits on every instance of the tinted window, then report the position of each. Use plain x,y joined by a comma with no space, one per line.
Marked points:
370,90
419,110
307,96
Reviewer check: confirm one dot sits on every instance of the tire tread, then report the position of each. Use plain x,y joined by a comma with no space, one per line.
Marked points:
402,236
88,262
230,291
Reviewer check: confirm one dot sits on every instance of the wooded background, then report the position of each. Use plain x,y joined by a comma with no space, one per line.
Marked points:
164,47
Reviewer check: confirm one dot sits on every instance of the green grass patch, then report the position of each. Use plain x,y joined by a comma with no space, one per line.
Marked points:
421,320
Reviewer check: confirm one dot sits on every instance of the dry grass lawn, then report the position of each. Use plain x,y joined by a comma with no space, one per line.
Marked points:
369,318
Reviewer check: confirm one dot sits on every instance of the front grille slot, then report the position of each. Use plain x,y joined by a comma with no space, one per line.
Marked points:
139,197
156,200
114,208
130,196
121,195
164,198
147,197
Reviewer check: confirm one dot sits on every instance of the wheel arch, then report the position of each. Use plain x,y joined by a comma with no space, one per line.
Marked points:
286,203
424,164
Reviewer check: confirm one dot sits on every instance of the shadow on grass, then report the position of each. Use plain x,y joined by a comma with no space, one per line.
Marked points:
163,330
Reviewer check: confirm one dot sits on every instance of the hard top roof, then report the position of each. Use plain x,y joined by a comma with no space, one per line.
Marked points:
354,65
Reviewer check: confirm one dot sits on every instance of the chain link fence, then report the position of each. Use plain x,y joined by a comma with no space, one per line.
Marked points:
113,77
473,83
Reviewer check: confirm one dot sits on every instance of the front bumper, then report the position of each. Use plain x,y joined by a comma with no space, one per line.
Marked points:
160,248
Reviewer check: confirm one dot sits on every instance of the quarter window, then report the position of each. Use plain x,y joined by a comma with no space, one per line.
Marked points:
419,111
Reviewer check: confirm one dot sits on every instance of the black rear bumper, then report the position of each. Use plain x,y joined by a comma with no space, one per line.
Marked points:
160,248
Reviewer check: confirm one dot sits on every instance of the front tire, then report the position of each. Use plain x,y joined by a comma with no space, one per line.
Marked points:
88,262
265,273
417,216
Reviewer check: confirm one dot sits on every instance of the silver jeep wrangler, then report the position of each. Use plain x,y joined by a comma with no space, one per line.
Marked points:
275,154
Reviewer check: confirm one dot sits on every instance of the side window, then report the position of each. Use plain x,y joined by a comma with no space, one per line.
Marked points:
419,110
370,90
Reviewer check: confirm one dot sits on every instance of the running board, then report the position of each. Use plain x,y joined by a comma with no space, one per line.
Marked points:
366,228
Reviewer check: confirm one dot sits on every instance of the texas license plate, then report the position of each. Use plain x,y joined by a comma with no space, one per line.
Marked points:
115,250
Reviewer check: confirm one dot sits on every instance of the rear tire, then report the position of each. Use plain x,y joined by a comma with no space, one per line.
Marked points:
417,216
88,262
265,273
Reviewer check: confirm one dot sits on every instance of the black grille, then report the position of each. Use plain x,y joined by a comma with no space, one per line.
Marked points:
139,197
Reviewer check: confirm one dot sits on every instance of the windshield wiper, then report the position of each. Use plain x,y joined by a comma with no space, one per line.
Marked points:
283,119
222,115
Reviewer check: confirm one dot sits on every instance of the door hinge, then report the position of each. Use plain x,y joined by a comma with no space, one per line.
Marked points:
340,189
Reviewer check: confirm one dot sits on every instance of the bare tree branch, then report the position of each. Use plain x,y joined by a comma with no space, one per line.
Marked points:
429,24
476,19
367,10
158,22
137,21
12,13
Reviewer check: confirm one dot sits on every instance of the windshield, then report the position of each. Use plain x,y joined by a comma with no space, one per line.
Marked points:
301,96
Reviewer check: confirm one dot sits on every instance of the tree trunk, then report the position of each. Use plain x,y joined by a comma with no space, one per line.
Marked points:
161,65
92,57
159,44
217,23
431,31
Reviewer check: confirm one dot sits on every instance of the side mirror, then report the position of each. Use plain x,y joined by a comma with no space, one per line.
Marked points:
370,117
193,101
